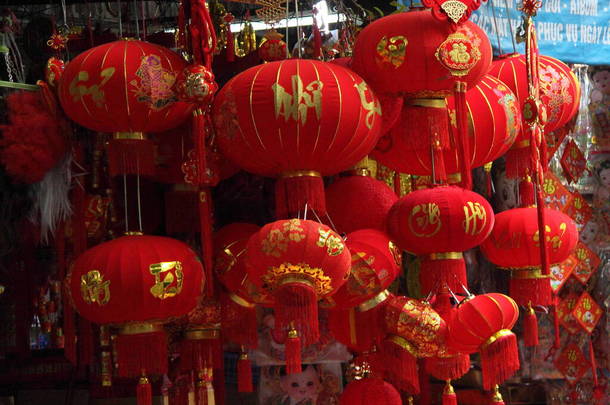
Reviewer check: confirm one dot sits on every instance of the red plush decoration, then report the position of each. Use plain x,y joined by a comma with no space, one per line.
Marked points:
299,262
137,282
483,324
404,53
32,144
201,347
272,48
514,244
289,119
54,71
359,202
559,93
439,224
195,84
494,120
369,391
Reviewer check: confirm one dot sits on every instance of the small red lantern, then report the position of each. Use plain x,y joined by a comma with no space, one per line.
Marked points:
289,119
368,391
359,202
298,262
272,48
137,282
482,323
439,224
125,87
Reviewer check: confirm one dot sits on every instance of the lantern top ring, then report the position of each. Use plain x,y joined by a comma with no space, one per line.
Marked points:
137,328
373,302
499,334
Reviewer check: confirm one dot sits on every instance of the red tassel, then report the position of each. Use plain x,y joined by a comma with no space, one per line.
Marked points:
518,160
293,352
439,174
181,210
144,392
294,190
529,286
205,230
463,141
557,340
244,374
239,320
131,156
499,358
85,342
200,348
530,328
230,41
448,368
425,122
526,192
496,398
401,364
449,397
489,187
442,270
139,351
297,308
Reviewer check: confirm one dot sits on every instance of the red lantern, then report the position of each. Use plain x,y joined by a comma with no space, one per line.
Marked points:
272,48
137,282
125,87
370,391
494,121
359,202
289,119
439,224
514,244
298,262
406,53
483,324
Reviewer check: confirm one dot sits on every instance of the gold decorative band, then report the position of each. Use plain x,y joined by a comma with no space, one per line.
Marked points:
521,144
403,343
454,178
428,102
133,233
446,256
140,327
128,135
300,173
296,279
240,301
201,334
529,274
499,334
373,302
358,171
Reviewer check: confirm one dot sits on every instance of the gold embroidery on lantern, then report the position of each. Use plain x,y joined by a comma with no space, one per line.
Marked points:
297,104
295,273
475,218
277,240
373,107
416,319
333,243
155,85
554,241
362,278
425,220
392,50
94,288
95,90
164,279
458,54
396,253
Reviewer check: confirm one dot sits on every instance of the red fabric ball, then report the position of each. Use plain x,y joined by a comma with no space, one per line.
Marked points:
196,84
370,391
375,265
272,48
359,202
124,86
494,123
440,219
136,279
293,116
398,54
514,242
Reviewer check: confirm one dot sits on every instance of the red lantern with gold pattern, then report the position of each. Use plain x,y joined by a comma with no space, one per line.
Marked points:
439,224
195,84
273,47
483,323
125,87
298,262
137,282
299,120
368,391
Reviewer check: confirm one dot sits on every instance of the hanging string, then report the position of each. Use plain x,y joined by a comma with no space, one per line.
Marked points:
120,20
296,11
135,11
510,26
138,191
287,41
143,13
493,11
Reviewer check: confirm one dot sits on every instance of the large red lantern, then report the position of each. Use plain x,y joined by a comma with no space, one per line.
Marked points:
370,391
494,122
482,323
298,262
137,283
299,120
125,87
359,202
439,224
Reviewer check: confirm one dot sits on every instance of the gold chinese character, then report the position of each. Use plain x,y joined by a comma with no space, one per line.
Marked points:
425,220
94,289
373,107
297,104
333,243
475,218
79,90
167,283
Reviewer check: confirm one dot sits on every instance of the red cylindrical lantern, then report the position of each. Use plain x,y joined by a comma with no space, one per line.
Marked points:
299,120
483,324
137,282
125,87
298,262
370,391
439,224
359,202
